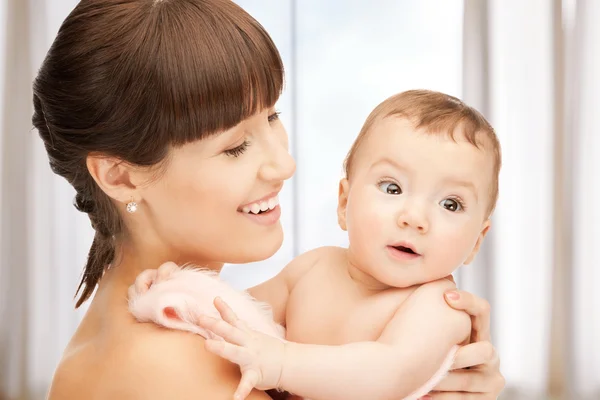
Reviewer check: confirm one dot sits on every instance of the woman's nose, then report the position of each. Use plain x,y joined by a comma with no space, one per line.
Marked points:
280,164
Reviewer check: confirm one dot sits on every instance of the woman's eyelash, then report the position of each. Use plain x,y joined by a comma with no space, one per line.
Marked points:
239,150
274,116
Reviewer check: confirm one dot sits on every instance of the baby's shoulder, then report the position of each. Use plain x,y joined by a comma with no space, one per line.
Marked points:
301,265
323,264
327,254
315,262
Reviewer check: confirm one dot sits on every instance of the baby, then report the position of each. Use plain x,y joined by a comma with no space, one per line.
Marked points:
420,185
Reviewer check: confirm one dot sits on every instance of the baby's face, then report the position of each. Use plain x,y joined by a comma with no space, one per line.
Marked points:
416,204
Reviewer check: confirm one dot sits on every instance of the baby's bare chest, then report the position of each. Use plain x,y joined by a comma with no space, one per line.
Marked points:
323,310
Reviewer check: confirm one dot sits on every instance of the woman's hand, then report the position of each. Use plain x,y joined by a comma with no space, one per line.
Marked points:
475,373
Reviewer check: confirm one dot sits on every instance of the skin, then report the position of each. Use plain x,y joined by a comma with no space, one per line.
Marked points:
426,191
189,211
437,191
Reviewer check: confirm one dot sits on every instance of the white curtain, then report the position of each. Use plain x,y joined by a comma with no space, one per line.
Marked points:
519,102
583,130
531,67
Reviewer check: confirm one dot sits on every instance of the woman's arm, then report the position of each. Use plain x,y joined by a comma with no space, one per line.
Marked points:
409,352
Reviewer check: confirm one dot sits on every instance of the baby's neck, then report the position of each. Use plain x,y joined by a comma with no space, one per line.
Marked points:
363,280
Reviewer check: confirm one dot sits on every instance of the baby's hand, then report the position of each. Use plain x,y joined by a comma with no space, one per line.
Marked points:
259,356
149,277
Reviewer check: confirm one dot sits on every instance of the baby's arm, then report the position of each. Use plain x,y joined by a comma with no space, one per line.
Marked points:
276,290
414,346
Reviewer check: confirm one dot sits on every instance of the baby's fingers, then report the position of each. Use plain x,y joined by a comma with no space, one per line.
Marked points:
228,315
248,382
221,328
236,354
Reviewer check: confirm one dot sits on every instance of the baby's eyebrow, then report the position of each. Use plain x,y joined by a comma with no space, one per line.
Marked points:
390,161
466,184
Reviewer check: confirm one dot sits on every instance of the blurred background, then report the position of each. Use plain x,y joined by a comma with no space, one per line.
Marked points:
532,67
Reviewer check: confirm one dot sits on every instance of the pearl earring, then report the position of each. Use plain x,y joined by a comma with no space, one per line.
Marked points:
132,206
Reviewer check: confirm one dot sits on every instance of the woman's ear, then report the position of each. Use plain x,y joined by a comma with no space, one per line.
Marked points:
343,202
484,230
113,176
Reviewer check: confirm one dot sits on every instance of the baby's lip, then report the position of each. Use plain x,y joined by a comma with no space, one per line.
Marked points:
406,247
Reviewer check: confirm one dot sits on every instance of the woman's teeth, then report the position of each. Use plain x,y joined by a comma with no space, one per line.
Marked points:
265,205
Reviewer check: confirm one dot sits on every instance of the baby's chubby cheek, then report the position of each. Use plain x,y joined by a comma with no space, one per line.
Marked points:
450,253
367,227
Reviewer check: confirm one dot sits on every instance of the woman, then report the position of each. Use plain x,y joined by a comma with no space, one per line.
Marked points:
160,114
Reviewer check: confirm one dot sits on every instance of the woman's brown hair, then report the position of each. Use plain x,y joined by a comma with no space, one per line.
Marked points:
131,79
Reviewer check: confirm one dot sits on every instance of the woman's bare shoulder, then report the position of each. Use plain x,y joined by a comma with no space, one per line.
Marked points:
146,362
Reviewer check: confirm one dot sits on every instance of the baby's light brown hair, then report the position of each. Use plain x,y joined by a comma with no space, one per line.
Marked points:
436,113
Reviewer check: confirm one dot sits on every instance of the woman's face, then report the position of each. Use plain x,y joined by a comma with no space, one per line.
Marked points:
217,199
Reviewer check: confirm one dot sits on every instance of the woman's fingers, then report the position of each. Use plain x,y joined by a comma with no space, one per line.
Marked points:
131,292
474,354
478,308
463,381
165,271
144,281
148,277
484,378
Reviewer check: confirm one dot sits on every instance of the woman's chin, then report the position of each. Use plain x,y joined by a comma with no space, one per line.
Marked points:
259,249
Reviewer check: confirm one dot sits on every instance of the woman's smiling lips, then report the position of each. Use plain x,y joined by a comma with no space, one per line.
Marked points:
264,211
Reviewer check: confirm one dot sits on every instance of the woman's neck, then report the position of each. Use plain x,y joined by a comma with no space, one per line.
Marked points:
108,307
132,259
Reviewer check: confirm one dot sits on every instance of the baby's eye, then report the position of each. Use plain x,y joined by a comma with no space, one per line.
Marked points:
390,188
451,205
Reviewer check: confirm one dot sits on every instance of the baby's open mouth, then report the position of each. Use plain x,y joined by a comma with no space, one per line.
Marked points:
406,250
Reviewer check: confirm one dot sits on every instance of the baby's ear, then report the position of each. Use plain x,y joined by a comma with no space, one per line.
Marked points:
484,230
343,202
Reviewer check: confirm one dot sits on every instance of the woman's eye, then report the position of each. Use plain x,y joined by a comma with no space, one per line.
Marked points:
451,205
274,116
390,188
239,150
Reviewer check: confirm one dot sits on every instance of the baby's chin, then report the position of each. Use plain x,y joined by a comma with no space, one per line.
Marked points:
407,280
